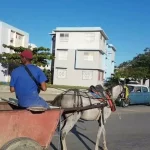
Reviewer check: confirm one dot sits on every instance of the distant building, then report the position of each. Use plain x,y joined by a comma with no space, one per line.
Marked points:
31,46
79,55
110,61
10,35
47,67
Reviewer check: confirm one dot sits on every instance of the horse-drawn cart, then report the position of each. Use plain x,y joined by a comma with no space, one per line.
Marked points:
33,128
22,129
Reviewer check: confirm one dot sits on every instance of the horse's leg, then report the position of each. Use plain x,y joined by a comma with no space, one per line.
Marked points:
99,134
104,138
70,122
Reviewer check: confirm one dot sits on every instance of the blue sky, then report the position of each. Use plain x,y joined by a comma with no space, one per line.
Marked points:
126,22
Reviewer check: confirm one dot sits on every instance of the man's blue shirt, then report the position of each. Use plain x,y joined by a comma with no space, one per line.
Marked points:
26,88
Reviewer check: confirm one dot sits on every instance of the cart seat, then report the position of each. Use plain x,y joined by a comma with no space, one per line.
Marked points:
37,109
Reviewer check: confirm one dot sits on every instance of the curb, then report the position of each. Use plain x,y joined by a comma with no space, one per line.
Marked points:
5,89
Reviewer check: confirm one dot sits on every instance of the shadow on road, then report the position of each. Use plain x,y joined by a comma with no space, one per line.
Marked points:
53,146
79,135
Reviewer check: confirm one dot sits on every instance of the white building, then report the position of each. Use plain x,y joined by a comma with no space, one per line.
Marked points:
10,35
79,56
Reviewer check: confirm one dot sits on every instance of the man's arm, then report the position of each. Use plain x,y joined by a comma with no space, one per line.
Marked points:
12,89
43,86
12,83
42,80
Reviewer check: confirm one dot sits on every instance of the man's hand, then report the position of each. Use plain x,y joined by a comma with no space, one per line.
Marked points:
43,86
12,89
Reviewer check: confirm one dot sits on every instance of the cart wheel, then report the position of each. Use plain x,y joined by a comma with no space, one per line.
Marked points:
22,143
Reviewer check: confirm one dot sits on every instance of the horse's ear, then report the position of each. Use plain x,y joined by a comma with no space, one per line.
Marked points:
99,87
91,88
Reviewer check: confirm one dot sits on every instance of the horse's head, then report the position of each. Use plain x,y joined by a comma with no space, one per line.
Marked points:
115,91
106,96
108,92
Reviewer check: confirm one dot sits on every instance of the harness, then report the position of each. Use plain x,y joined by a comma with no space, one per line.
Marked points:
97,94
101,97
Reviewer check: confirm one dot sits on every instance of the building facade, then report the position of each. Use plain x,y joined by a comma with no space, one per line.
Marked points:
79,56
10,35
109,61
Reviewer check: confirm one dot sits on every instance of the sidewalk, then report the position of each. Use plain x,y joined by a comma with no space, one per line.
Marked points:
48,95
4,88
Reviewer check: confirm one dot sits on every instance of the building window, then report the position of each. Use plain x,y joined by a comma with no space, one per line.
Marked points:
12,40
61,73
12,33
90,37
88,56
19,36
87,75
62,55
100,76
64,37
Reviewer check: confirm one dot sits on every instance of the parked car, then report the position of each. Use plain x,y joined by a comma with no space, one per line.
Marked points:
138,94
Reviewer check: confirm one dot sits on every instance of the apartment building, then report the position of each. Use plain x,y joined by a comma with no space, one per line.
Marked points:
79,55
10,35
110,61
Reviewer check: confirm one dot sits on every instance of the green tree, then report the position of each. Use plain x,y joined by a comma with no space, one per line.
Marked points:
136,69
9,61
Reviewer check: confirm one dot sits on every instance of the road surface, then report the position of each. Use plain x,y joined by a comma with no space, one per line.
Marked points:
127,129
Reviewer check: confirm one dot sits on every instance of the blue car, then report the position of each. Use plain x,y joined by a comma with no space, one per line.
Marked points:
138,94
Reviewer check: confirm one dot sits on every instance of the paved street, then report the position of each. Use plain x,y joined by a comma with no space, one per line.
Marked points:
127,129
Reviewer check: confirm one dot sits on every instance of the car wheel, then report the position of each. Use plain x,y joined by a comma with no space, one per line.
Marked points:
124,103
118,102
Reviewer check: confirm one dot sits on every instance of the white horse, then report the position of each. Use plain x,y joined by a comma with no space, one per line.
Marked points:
75,98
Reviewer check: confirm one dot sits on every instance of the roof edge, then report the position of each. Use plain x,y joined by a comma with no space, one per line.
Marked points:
80,29
112,46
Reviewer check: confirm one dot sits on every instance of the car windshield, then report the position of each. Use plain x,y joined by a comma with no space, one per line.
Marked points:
130,88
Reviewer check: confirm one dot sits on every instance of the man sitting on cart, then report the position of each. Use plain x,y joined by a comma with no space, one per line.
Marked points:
24,82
